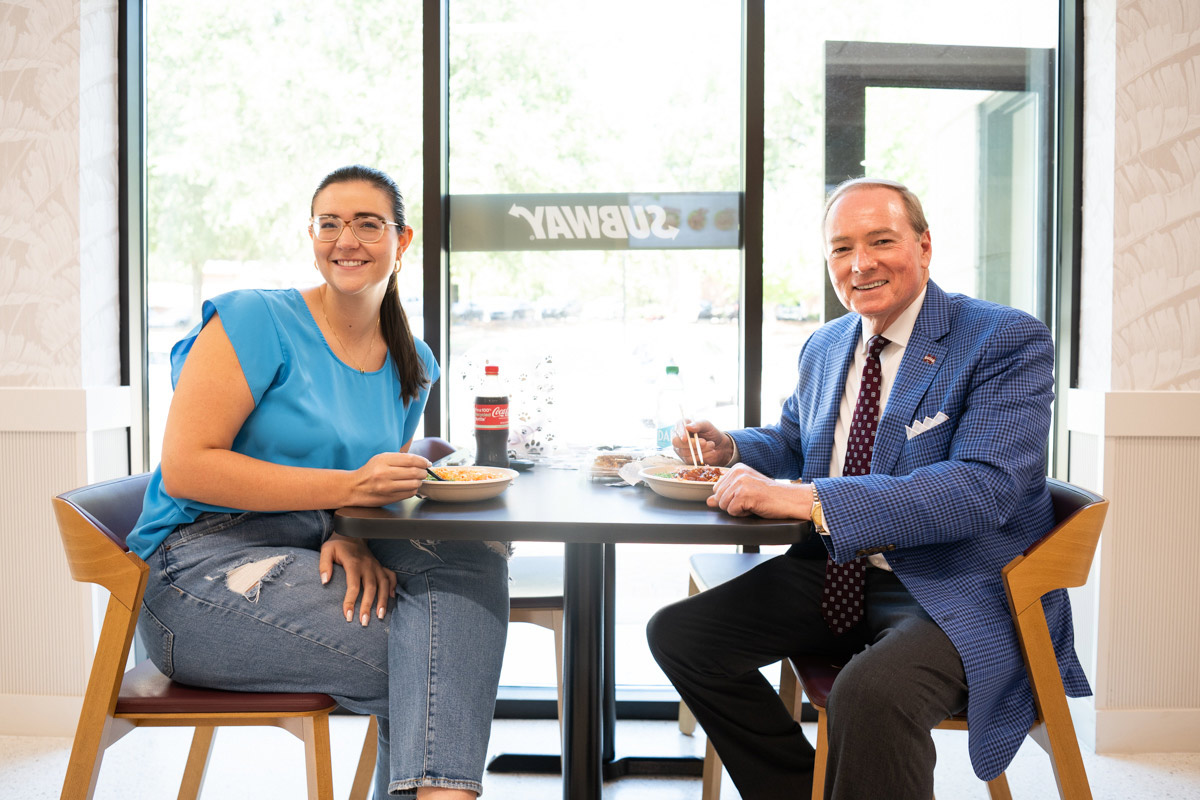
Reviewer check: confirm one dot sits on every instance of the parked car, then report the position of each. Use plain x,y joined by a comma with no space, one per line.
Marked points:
466,312
795,312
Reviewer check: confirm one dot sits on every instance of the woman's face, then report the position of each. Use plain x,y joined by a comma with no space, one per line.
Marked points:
348,265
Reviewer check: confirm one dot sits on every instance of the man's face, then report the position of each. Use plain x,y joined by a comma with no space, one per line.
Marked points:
877,262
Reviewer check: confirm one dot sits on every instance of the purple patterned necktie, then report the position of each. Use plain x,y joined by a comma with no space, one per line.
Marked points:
842,599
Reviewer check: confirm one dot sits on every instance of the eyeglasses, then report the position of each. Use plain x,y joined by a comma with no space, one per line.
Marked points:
368,230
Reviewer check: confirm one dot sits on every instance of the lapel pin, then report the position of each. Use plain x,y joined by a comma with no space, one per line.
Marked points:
929,359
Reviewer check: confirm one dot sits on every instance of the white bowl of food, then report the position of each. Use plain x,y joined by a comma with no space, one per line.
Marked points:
684,482
465,484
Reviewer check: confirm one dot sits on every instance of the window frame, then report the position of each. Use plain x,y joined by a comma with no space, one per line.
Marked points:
1065,232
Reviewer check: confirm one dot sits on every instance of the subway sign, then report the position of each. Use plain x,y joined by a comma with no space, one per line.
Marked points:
662,221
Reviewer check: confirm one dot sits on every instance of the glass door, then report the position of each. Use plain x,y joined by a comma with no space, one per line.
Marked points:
956,102
968,128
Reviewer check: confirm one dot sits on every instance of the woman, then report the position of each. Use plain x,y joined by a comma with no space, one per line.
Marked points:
288,403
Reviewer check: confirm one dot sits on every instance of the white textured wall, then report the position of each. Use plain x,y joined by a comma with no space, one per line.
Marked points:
1156,219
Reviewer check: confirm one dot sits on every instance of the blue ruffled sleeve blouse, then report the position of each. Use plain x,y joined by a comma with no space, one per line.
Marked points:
310,408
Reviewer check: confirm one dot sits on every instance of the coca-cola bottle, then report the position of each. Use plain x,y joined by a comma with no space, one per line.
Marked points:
491,421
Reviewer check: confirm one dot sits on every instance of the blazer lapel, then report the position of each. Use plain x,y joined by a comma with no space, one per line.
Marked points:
923,357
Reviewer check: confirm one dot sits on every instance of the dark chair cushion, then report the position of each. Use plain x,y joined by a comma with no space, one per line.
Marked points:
431,447
145,690
816,675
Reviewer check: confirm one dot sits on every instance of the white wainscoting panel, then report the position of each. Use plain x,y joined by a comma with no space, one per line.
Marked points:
51,440
42,624
1141,450
1154,588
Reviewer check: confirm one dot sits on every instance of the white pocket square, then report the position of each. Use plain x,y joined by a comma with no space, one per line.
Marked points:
925,424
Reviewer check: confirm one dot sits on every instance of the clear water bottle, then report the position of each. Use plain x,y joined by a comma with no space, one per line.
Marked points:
491,421
670,401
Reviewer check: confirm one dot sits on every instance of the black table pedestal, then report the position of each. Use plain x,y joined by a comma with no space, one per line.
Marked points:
603,621
583,622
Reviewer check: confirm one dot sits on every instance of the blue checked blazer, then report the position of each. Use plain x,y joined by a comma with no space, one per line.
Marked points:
952,505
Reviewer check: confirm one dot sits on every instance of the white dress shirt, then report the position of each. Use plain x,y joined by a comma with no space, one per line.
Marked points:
897,334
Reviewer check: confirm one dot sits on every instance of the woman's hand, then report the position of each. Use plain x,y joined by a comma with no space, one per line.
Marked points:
742,491
387,478
364,575
716,448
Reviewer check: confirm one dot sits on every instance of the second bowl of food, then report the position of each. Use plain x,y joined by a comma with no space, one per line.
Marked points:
682,483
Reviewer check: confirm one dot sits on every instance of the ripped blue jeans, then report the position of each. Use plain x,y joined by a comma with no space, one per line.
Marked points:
235,601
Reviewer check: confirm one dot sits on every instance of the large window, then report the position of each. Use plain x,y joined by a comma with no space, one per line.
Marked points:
956,102
248,107
596,160
576,141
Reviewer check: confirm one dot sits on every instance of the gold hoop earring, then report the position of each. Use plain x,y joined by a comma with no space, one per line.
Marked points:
396,269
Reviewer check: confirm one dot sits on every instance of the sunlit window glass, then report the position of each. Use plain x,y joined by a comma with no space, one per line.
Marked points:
594,178
232,162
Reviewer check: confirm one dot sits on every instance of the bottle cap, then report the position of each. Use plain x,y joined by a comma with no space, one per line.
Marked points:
672,370
491,370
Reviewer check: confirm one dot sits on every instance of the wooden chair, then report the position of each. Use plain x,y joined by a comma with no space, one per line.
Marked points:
1061,559
94,522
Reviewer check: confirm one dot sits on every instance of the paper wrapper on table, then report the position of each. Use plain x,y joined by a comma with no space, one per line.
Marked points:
629,472
604,464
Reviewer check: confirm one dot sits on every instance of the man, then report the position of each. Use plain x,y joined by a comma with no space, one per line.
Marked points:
921,487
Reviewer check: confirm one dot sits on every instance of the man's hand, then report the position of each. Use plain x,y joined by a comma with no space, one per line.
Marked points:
742,491
364,575
716,448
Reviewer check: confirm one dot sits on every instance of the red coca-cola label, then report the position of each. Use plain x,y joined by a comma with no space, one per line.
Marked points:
491,416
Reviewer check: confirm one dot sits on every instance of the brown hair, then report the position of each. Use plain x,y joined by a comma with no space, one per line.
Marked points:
912,203
392,319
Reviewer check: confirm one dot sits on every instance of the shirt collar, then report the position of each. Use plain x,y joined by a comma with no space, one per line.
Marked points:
901,330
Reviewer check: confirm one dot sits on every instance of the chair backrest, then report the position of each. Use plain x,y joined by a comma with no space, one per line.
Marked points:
432,447
1062,558
112,506
94,522
1069,498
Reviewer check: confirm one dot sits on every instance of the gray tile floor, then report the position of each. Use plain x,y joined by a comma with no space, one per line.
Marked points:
265,764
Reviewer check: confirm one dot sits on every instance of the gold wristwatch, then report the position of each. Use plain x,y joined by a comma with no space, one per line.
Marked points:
818,516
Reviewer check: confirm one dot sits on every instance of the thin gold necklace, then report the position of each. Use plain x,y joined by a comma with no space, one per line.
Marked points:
345,349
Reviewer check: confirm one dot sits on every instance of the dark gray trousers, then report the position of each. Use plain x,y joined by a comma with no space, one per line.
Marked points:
904,678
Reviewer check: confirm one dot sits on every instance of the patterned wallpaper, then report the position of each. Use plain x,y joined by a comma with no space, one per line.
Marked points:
1156,197
58,173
